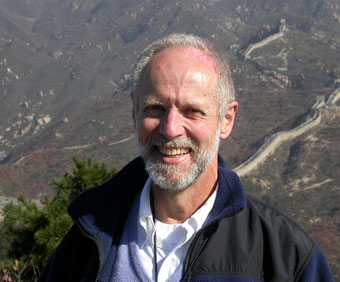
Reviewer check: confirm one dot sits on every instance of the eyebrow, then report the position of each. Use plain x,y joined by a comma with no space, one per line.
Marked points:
190,104
152,100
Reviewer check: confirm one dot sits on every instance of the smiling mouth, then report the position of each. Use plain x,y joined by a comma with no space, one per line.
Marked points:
172,152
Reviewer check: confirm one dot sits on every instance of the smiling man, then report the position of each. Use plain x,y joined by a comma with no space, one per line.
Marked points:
176,213
179,129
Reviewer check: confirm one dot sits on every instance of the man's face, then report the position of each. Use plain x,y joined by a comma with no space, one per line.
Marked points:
177,121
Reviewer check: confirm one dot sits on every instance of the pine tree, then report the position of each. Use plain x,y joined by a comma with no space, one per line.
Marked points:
29,234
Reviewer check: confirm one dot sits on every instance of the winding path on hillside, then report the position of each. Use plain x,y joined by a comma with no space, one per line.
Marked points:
265,41
276,139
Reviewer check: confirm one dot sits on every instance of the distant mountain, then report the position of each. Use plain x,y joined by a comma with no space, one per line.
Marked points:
65,80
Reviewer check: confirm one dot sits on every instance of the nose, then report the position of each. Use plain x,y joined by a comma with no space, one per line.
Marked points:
171,125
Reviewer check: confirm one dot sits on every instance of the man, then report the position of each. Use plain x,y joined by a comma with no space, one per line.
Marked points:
179,214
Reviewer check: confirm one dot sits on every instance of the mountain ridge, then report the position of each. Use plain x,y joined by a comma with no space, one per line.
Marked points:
65,80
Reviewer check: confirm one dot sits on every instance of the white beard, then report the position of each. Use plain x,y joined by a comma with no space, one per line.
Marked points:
177,177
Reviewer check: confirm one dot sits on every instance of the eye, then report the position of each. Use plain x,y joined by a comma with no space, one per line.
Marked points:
194,112
154,110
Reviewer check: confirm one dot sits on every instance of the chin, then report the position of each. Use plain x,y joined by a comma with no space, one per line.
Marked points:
173,177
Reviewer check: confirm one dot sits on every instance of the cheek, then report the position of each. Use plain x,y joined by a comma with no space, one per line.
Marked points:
203,133
146,127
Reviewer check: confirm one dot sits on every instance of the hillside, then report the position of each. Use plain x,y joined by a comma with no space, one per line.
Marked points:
65,66
65,80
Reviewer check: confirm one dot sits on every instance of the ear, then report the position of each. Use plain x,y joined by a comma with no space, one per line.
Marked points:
228,120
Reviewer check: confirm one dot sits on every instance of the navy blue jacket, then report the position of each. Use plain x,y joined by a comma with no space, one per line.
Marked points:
243,239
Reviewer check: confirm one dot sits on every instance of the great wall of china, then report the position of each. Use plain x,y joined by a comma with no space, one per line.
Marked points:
276,139
265,41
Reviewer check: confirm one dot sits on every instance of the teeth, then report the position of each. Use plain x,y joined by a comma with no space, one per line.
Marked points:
173,151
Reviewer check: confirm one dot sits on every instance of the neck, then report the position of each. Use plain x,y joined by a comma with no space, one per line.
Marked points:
173,207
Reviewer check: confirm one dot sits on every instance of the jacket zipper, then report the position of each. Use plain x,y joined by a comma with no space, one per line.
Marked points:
98,244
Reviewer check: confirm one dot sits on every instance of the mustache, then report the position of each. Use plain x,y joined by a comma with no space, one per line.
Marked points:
160,140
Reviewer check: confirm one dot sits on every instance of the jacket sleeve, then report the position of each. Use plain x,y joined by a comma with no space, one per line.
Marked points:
318,269
75,259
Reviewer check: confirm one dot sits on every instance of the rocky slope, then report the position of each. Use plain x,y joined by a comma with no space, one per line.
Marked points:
65,66
65,79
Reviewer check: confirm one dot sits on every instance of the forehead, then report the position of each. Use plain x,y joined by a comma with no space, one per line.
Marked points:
181,55
177,64
178,68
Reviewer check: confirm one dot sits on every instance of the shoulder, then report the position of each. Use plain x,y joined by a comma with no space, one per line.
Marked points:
258,241
272,221
282,240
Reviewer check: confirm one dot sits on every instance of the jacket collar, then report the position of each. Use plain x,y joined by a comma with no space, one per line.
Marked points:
104,209
230,197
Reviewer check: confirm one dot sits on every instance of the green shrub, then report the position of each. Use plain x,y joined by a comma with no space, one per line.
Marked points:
29,234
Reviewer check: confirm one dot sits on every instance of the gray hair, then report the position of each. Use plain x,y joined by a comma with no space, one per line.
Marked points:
225,92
